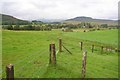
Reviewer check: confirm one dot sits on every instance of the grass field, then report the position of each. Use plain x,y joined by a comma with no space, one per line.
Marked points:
29,52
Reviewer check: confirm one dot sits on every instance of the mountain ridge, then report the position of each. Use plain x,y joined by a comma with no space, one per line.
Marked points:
90,19
8,19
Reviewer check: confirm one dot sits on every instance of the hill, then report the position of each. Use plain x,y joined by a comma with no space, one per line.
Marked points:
77,20
7,19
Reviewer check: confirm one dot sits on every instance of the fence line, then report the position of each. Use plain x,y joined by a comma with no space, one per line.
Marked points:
108,48
52,57
30,61
92,47
28,56
99,64
70,44
99,68
25,58
35,53
34,70
39,69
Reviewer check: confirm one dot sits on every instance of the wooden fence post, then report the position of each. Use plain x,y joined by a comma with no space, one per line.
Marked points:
84,58
50,54
10,72
101,49
52,59
60,45
92,48
81,45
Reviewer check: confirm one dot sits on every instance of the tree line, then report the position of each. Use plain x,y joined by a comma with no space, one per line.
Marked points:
45,26
25,27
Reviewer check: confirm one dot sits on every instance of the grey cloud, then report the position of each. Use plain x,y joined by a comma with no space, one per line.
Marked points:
52,9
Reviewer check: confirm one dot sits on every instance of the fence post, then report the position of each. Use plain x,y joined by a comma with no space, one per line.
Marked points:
92,48
60,45
84,58
101,49
10,72
52,54
81,45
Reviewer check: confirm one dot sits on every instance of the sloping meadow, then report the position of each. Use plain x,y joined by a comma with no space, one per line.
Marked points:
29,52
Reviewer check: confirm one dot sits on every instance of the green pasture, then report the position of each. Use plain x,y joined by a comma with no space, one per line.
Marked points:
28,51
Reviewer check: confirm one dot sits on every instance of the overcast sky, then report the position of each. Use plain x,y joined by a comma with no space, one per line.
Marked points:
60,9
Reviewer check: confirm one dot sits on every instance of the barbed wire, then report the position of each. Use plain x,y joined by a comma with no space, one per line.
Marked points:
34,70
67,43
30,61
89,56
38,69
23,59
97,68
90,44
95,57
28,56
106,48
43,52
90,66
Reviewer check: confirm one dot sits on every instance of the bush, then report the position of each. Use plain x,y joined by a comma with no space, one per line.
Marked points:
98,28
84,31
92,30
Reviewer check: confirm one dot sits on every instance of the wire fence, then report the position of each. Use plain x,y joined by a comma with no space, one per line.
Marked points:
27,60
26,57
91,47
31,63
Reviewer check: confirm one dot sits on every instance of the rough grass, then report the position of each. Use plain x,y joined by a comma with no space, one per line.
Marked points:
29,52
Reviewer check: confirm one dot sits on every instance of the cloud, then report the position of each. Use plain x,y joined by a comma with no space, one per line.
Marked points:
60,9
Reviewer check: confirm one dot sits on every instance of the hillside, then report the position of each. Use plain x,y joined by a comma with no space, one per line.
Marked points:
7,19
77,20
